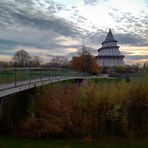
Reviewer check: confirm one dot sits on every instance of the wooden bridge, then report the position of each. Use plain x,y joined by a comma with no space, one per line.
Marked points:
20,79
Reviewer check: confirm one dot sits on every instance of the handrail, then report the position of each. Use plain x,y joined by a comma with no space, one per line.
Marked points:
14,77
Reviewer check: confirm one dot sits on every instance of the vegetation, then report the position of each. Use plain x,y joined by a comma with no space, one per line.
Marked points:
106,80
58,62
85,62
94,110
6,64
89,110
21,58
65,143
122,69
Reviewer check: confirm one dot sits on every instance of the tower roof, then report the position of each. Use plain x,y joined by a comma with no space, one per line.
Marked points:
110,37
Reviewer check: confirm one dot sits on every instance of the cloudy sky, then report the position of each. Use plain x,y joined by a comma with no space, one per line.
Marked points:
60,27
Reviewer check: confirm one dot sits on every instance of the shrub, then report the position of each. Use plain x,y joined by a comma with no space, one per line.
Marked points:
88,110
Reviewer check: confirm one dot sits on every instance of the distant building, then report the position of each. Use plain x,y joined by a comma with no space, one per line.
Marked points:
109,54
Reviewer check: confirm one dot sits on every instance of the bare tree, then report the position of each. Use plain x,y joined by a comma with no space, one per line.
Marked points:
59,61
83,51
36,61
21,58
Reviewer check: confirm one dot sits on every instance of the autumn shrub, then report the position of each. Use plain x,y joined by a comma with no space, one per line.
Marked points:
137,108
88,110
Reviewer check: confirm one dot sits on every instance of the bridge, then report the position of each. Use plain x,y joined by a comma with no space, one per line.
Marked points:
15,80
19,79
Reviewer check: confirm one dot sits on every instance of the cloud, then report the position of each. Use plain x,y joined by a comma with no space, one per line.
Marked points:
71,49
137,57
90,2
93,2
131,39
59,27
29,28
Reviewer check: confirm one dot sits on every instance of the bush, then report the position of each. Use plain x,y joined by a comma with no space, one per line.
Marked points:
89,110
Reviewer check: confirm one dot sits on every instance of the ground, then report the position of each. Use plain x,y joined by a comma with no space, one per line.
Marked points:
22,143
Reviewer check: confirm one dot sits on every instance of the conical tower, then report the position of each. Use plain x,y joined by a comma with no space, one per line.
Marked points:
109,54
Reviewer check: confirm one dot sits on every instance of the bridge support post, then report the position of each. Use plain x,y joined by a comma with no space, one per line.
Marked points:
4,113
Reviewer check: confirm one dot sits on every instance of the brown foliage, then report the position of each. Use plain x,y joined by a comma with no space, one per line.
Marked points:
90,110
85,63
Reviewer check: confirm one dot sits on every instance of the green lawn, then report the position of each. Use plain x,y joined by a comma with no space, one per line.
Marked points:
106,80
21,143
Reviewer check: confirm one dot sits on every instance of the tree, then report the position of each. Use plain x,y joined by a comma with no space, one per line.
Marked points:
4,64
59,61
85,62
36,61
21,58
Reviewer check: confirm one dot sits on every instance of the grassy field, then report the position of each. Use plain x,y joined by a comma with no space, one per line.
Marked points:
106,80
22,143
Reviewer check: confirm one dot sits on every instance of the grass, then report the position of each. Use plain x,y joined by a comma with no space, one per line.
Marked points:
64,143
93,80
106,80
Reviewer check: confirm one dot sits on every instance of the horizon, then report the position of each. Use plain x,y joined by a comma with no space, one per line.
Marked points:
60,27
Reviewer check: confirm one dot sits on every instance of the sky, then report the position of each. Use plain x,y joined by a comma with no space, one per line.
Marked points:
60,27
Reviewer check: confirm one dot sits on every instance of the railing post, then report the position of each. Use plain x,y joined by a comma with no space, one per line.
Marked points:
15,76
65,72
8,76
29,75
40,74
55,74
49,74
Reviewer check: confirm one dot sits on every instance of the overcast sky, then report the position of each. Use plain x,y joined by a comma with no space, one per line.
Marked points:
59,27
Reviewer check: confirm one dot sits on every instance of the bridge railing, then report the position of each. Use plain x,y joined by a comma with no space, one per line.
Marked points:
14,77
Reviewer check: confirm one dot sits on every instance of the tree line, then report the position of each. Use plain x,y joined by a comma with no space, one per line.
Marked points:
21,59
84,62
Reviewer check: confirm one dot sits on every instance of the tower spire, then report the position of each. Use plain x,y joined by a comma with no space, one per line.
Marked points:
109,36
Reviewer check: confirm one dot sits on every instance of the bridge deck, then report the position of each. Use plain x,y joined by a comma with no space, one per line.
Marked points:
11,88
